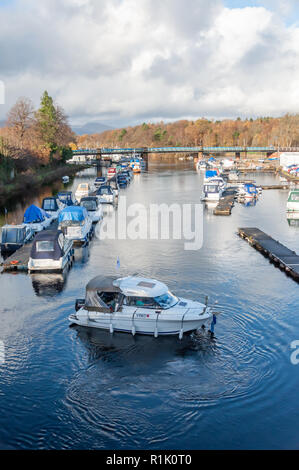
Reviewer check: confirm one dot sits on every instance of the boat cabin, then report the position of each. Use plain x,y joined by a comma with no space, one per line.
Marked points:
90,203
51,204
15,236
107,294
67,198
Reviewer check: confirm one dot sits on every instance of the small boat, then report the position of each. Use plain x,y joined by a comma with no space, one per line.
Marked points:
51,251
138,305
52,206
201,165
36,218
248,191
65,179
67,198
233,175
14,237
83,190
122,181
93,207
105,195
212,191
111,172
75,224
293,201
136,167
99,181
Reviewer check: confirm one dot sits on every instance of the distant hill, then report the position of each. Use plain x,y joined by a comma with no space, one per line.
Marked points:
91,128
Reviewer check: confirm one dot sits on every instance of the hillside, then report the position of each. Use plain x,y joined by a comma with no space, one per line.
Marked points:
282,131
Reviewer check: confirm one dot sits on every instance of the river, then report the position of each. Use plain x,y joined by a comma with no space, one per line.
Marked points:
67,387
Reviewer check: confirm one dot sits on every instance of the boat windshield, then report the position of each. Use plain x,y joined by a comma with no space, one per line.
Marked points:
103,191
294,197
12,235
49,205
211,188
89,205
45,245
166,300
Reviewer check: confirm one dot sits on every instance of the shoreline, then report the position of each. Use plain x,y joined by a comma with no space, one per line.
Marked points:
24,183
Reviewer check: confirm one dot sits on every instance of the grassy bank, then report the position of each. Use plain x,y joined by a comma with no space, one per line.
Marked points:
24,183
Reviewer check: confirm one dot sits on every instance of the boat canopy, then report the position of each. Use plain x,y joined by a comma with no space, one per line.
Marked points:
66,197
50,204
104,190
13,234
99,284
48,245
34,214
141,286
211,173
90,203
73,214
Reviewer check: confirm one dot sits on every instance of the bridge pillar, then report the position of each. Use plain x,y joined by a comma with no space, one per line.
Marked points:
144,156
200,155
238,155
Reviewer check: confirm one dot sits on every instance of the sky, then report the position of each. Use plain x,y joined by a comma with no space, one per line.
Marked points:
124,62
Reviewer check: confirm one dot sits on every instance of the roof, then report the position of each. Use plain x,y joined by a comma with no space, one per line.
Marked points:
46,235
102,283
129,286
89,198
141,286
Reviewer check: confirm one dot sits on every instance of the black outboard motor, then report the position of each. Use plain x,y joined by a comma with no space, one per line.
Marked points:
79,304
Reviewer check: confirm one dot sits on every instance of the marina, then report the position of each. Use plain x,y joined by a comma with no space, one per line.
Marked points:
101,380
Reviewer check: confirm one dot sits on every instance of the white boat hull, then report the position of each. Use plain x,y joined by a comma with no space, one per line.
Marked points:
145,322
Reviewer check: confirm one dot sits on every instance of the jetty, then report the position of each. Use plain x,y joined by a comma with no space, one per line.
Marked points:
278,254
226,203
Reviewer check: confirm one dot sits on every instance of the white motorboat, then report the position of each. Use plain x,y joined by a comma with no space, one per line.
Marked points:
65,179
93,207
293,201
212,191
14,237
83,190
53,206
37,219
105,195
138,305
75,224
50,251
201,165
233,175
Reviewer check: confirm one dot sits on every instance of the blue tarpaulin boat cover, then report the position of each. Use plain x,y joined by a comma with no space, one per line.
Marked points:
212,159
73,213
211,173
35,214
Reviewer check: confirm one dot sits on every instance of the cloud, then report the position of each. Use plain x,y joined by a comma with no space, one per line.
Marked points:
124,61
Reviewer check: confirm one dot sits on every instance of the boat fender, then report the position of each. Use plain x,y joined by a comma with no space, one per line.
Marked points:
181,333
156,332
133,330
111,328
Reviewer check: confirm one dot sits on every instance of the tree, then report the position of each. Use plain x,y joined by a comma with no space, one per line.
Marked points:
47,122
19,119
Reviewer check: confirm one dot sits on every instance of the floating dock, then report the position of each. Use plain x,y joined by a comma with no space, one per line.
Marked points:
18,261
284,258
225,205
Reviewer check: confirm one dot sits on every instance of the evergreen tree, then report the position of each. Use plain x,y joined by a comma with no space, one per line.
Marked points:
47,122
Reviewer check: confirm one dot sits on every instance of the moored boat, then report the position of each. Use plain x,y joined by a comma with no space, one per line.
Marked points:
36,218
51,251
83,190
93,207
65,179
75,224
293,201
67,198
14,237
105,195
52,206
138,305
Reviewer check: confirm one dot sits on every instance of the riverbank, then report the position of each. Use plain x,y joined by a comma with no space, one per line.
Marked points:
27,182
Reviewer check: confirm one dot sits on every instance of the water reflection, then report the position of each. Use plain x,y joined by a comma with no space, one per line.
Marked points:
49,284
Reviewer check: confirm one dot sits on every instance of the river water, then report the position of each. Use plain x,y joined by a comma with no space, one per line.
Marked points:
76,388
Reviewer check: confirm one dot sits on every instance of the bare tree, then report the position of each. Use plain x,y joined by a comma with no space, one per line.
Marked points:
19,118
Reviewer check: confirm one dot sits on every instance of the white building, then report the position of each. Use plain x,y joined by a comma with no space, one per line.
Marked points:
289,158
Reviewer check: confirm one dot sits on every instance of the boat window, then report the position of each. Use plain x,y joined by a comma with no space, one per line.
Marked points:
44,246
89,205
104,191
11,235
148,302
49,205
167,300
211,188
295,197
109,298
